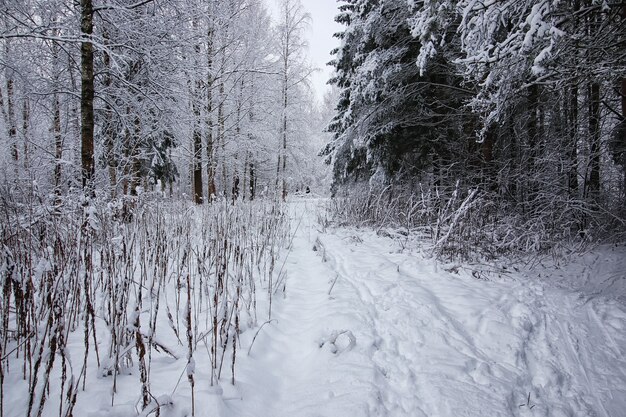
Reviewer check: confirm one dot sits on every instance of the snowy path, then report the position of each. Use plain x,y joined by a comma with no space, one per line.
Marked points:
398,336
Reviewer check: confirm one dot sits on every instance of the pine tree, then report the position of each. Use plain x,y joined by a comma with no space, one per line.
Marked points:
393,118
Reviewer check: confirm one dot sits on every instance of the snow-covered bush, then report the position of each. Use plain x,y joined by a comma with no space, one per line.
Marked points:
469,223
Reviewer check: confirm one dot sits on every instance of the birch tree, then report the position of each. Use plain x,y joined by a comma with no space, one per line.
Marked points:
294,72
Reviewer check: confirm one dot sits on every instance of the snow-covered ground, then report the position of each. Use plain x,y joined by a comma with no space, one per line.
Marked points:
368,325
369,329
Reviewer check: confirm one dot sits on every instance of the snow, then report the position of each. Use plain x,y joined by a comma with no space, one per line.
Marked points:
399,336
367,325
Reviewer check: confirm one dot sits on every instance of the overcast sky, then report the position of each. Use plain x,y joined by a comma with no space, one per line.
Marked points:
320,38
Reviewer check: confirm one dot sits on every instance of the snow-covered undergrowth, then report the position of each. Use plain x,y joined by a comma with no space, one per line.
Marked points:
154,314
124,309
470,224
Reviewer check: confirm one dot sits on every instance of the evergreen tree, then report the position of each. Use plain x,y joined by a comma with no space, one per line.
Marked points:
394,121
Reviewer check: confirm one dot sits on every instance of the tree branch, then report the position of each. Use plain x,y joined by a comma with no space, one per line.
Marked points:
115,7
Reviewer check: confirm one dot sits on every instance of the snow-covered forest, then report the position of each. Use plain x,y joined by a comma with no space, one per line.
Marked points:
190,227
522,102
188,98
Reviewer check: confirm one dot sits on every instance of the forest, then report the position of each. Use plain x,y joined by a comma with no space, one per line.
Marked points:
508,114
172,192
118,118
182,97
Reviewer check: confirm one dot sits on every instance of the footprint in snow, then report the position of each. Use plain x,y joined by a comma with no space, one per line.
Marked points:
480,372
338,342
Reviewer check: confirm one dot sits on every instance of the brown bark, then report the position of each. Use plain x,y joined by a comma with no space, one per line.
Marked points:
252,181
198,194
87,95
198,197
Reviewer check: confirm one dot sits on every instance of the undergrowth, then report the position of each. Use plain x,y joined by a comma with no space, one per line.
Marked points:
470,224
120,278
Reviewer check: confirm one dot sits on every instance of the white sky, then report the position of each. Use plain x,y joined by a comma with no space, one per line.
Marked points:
320,38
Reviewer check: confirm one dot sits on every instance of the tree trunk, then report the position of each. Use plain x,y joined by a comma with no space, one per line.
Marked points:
136,157
126,166
198,195
489,173
235,190
74,125
87,96
236,177
109,132
284,132
249,163
516,151
221,135
25,129
11,116
252,182
288,23
2,109
197,166
623,93
533,142
593,181
284,152
58,143
572,146
210,151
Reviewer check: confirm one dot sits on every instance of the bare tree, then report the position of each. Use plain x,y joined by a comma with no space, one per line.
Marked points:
295,71
87,93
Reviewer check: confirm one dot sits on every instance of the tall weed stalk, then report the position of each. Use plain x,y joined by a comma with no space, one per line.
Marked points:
93,290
